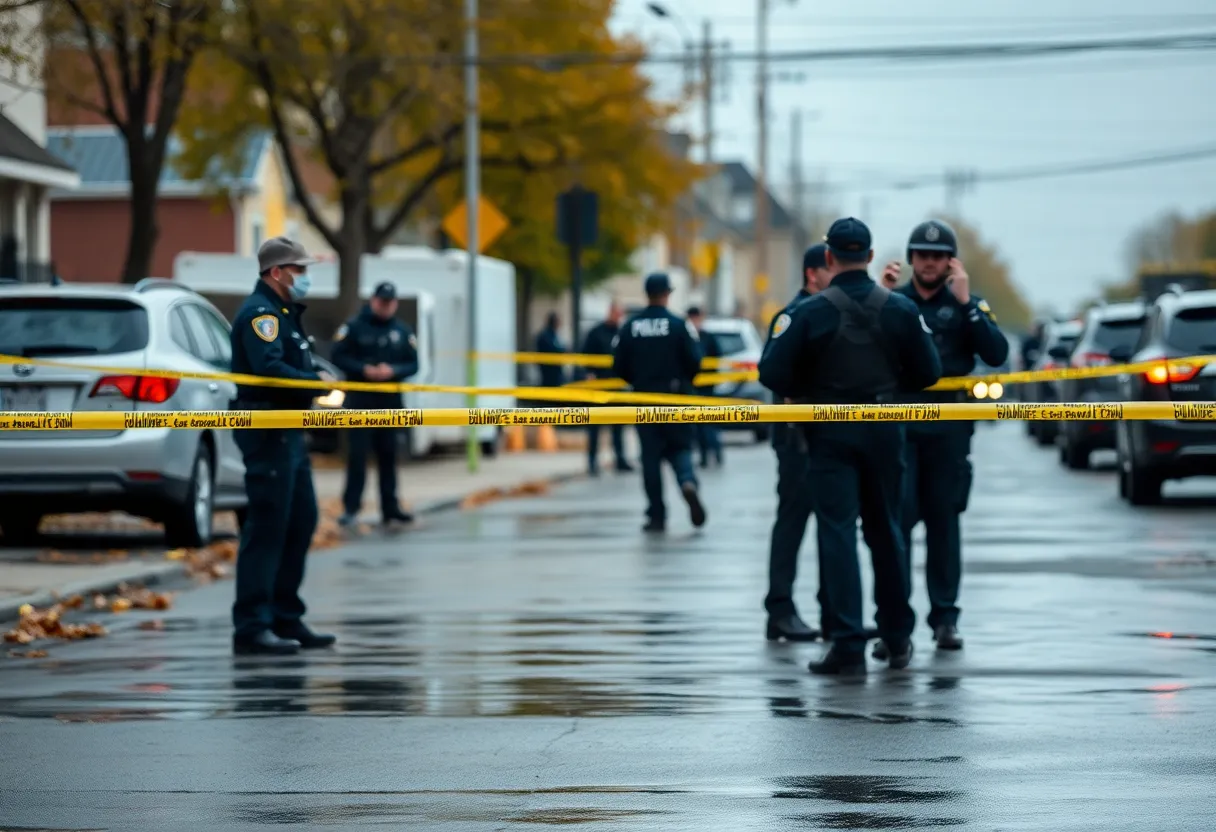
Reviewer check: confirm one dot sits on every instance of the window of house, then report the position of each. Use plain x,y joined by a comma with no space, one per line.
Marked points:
291,230
257,233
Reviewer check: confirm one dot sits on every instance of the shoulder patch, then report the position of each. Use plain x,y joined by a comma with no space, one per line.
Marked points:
266,327
616,339
924,325
342,332
692,330
413,341
781,324
986,309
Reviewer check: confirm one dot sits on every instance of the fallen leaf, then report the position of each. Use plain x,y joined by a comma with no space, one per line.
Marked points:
100,602
120,605
156,625
18,637
25,610
74,602
28,654
176,554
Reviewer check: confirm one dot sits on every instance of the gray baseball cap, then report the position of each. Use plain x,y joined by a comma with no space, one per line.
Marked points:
280,251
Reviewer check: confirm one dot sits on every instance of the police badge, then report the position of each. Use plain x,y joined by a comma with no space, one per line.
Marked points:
781,324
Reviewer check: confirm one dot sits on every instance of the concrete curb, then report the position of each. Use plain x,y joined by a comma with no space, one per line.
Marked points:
159,573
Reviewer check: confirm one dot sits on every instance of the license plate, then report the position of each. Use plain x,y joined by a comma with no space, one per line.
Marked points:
24,398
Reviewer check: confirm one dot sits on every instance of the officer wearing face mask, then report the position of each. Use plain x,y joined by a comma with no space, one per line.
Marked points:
938,475
268,339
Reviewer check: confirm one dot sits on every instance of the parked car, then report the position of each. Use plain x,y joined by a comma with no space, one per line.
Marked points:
175,477
1059,337
326,440
740,343
1179,324
1106,328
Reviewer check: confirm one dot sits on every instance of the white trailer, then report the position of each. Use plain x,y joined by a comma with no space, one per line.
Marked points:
432,286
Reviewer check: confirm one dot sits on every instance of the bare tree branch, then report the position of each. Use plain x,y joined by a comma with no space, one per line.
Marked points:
94,49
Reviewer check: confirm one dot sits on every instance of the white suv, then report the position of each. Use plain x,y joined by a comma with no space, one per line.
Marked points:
175,477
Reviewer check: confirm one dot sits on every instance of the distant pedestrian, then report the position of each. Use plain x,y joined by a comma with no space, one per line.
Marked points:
709,436
375,346
548,341
658,352
268,339
599,341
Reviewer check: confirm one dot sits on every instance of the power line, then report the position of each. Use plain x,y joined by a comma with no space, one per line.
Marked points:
937,52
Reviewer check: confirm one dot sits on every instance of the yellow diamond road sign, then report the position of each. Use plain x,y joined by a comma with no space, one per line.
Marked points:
490,224
761,284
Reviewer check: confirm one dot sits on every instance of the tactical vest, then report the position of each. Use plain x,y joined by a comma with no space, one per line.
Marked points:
859,366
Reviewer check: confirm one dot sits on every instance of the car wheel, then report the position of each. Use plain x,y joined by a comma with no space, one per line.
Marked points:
189,524
1044,436
1123,482
1074,457
19,528
1143,487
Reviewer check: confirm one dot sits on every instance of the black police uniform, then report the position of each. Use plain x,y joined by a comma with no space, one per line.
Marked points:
268,339
709,435
794,508
939,473
364,340
599,342
547,341
658,352
855,343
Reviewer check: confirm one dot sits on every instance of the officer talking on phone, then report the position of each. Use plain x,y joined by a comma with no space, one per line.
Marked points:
938,480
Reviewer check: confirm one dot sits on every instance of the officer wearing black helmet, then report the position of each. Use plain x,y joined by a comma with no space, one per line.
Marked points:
375,346
855,343
658,352
794,503
939,472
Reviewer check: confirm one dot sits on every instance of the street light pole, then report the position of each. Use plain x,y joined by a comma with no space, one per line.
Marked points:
761,219
472,194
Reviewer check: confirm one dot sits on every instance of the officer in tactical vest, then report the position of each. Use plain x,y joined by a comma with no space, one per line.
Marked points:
855,343
658,352
938,482
794,503
375,346
268,339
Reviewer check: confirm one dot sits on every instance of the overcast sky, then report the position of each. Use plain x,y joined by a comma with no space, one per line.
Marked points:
864,125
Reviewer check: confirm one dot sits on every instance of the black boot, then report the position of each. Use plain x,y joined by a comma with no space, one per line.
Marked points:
836,662
264,644
947,637
791,628
306,638
696,511
900,654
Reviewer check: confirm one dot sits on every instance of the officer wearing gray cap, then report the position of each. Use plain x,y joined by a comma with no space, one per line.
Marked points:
855,343
268,340
375,346
658,352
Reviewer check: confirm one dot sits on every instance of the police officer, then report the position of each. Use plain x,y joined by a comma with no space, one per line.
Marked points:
599,341
939,474
657,352
375,346
709,437
794,503
855,343
548,341
268,340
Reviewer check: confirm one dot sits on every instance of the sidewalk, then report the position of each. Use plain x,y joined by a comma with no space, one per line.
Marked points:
81,556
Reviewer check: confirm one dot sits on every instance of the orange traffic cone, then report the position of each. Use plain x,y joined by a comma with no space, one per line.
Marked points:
515,439
546,439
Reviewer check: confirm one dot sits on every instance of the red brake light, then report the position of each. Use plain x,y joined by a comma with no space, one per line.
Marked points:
1172,373
137,388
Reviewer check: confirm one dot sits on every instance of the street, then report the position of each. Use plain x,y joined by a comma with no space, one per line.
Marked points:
538,661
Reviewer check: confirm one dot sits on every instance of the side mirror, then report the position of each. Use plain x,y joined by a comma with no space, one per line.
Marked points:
1121,354
1060,352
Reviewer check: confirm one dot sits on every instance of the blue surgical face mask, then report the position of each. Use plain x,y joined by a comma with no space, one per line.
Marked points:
300,287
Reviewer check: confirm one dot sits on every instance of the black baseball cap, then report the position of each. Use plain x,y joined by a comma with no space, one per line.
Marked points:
849,238
815,257
385,291
658,284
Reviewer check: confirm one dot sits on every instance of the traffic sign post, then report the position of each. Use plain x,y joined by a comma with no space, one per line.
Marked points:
577,227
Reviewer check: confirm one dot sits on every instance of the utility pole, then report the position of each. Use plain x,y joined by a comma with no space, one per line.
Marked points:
761,224
707,92
958,182
797,192
472,196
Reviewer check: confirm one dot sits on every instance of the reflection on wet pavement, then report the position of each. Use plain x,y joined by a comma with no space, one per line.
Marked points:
514,666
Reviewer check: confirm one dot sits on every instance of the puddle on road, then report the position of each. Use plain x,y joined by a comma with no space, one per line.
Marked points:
866,789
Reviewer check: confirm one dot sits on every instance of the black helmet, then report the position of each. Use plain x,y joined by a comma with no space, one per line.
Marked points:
933,235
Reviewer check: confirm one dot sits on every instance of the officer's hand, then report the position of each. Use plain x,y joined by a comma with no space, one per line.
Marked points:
326,376
960,281
374,372
890,274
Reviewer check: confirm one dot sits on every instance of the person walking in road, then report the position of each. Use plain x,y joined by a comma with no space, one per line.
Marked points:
939,474
657,352
599,341
375,346
855,343
709,437
268,339
794,498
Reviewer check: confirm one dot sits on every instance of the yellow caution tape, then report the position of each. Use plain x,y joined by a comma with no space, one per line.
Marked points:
555,394
408,418
589,359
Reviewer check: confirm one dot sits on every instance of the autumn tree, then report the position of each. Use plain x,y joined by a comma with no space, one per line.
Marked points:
1170,241
125,62
373,91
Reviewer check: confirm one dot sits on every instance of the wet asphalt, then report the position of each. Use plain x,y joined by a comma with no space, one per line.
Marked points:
538,662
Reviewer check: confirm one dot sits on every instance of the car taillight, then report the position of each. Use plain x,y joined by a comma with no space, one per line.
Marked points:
1172,373
136,388
1091,359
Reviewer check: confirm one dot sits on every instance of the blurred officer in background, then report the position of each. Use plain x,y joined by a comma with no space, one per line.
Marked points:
268,340
599,342
375,346
938,480
855,343
657,352
794,499
548,341
709,437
